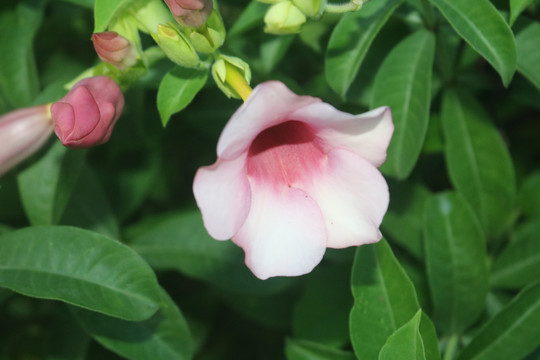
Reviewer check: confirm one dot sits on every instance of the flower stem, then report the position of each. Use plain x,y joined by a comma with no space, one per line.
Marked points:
346,7
237,81
451,347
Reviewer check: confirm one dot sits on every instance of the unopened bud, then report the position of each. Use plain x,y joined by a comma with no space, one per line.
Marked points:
86,116
190,13
23,132
114,49
209,37
312,8
284,18
232,75
176,46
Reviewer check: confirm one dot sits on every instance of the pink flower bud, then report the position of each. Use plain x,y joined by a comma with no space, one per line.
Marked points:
23,132
86,115
114,49
190,13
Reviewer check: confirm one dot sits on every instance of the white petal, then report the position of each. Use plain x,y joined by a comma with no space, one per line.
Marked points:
269,104
284,234
223,195
367,135
353,197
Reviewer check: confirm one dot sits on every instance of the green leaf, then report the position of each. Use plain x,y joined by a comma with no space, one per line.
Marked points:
89,207
46,185
252,16
384,300
404,83
517,7
405,343
351,40
78,267
519,263
179,241
478,162
84,3
529,196
296,349
105,11
511,334
480,24
456,262
164,336
66,339
528,53
177,89
19,82
273,50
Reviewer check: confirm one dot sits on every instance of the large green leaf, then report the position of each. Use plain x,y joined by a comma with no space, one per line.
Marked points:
516,7
19,82
296,349
177,89
78,267
404,83
405,343
46,185
66,339
529,196
384,300
164,336
179,241
350,42
478,161
511,334
456,262
480,24
528,53
519,263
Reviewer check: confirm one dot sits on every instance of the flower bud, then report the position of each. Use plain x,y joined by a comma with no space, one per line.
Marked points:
114,49
176,46
23,132
86,115
209,37
226,66
312,8
283,18
190,13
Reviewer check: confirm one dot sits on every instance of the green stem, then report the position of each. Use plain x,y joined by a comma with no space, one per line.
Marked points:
451,347
429,14
346,7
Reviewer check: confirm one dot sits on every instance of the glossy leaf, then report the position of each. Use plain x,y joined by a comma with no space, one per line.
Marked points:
179,241
177,89
511,334
78,267
351,40
478,162
46,185
164,336
296,349
384,300
405,343
528,53
456,262
519,263
404,83
516,7
484,29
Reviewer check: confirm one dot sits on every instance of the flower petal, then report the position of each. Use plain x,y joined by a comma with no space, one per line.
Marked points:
284,234
367,135
353,197
269,104
223,194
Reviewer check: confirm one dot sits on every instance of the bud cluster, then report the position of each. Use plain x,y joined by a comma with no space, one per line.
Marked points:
288,16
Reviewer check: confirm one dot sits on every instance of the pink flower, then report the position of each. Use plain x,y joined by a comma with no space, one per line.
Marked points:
86,115
23,132
293,177
114,49
190,13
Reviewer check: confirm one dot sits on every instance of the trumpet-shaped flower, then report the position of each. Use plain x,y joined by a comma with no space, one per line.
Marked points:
23,132
86,116
115,49
293,177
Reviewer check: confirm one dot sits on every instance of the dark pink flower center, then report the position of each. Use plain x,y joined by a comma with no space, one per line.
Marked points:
285,154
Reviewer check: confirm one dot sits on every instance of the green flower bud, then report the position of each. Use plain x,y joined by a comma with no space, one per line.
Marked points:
312,8
176,46
284,18
226,72
209,37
